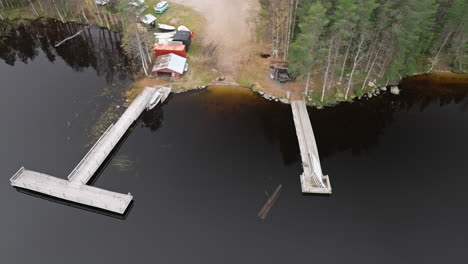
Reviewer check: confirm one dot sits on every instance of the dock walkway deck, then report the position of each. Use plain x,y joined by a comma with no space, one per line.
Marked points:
106,143
75,189
312,179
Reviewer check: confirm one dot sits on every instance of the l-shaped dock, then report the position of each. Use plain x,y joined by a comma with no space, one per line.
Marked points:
312,179
75,189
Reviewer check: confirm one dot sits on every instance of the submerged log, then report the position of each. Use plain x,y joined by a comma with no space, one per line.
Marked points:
269,204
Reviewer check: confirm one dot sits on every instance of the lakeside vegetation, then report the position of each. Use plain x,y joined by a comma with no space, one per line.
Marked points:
347,48
119,16
350,47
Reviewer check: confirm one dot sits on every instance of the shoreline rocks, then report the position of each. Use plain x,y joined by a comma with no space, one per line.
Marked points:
184,90
394,90
270,97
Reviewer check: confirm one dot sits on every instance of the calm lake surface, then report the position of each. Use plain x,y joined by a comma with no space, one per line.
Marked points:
201,166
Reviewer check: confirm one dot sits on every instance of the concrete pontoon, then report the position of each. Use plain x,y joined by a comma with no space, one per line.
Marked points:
75,189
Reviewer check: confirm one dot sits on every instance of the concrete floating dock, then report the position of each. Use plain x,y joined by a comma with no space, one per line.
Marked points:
75,189
312,179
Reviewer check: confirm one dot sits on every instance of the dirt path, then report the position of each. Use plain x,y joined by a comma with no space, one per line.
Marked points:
231,27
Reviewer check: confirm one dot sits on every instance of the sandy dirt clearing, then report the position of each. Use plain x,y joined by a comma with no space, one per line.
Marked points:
231,27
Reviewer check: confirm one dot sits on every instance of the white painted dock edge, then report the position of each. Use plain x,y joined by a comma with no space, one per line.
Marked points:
312,179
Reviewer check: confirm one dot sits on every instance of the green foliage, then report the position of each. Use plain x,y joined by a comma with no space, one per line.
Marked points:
457,26
377,40
414,35
306,49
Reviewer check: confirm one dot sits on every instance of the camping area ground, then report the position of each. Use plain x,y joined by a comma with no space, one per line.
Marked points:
240,39
227,46
229,38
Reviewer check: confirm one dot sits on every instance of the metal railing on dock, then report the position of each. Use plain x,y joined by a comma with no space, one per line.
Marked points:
72,174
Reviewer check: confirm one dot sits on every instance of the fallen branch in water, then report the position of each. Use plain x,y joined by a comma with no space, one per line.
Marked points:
65,40
269,204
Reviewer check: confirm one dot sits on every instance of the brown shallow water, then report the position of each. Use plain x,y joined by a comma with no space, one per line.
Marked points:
200,166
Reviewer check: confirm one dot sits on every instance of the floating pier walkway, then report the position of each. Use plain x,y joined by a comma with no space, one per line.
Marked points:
312,179
75,189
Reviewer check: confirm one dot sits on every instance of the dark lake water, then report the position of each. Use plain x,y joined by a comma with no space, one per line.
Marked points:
201,165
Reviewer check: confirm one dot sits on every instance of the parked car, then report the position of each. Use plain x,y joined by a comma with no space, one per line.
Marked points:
160,7
279,71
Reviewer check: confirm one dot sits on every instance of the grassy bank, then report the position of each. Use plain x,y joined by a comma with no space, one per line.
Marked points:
352,49
200,72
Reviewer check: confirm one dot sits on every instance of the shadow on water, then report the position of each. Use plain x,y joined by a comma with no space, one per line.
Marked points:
317,195
359,125
153,121
95,47
77,205
154,118
355,126
112,154
202,177
91,182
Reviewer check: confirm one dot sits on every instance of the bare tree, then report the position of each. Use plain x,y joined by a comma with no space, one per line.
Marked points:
40,5
325,78
345,60
33,8
371,66
58,12
355,63
434,61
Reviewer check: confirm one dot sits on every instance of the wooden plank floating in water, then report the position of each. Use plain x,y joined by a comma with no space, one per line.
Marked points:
312,179
75,189
269,204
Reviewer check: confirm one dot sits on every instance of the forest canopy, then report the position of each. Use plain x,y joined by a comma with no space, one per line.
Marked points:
349,46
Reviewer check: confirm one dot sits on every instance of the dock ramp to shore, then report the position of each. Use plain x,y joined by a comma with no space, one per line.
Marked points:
75,189
312,179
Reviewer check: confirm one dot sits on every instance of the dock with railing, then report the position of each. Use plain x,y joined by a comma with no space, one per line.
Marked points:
312,179
75,189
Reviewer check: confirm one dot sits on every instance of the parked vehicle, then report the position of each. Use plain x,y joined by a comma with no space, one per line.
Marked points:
279,71
160,7
149,20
